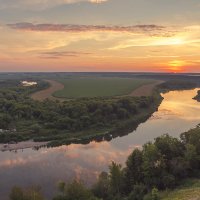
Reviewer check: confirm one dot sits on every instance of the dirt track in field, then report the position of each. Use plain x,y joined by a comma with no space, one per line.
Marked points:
145,90
47,93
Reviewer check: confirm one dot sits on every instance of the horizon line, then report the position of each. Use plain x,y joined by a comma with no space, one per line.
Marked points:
135,72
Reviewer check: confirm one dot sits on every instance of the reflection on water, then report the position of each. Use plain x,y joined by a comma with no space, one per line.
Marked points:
45,167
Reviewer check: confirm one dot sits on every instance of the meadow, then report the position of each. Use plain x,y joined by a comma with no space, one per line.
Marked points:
98,87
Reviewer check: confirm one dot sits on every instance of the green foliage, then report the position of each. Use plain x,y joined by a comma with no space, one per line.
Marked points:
110,185
154,194
153,165
192,157
133,171
16,194
26,194
5,121
74,191
40,120
35,128
61,186
116,178
102,188
137,193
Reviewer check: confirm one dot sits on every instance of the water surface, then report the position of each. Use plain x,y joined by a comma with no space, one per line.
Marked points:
177,113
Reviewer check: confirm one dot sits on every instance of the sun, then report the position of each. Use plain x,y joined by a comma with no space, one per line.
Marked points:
176,66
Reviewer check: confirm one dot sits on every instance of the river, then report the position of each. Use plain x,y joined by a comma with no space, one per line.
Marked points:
177,113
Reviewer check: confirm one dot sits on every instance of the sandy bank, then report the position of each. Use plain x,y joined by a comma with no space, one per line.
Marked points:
47,93
21,145
145,90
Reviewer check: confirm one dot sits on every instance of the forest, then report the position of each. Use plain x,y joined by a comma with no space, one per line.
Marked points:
22,118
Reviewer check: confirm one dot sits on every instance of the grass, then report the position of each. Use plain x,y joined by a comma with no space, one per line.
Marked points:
189,191
98,87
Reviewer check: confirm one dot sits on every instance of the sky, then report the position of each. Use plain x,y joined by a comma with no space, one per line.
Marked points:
100,35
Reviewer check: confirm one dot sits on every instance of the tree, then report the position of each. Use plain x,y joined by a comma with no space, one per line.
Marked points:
137,193
179,168
61,186
153,165
169,147
75,191
102,188
133,171
168,180
192,137
16,194
155,194
35,128
123,113
116,178
192,157
5,121
33,193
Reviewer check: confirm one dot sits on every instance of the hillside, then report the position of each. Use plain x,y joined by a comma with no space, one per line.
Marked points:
189,191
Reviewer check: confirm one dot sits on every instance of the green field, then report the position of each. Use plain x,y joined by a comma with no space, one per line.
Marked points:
98,87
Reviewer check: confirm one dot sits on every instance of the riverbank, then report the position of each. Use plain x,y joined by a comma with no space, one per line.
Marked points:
145,90
21,145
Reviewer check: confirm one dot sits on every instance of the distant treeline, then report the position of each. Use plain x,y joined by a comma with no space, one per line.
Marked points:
159,165
177,85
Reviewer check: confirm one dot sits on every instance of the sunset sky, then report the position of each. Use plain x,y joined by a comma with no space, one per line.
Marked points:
100,35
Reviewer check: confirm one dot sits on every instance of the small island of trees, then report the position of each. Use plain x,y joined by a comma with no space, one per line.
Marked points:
197,97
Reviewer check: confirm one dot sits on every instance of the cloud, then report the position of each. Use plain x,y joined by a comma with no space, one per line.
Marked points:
149,29
4,4
146,42
60,54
